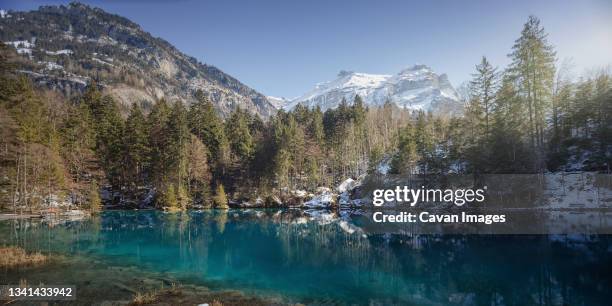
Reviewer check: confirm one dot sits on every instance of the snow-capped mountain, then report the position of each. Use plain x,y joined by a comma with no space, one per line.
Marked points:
416,88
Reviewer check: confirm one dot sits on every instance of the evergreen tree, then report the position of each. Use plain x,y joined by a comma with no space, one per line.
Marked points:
483,88
509,152
136,146
93,99
582,110
239,135
78,139
206,125
157,121
602,103
533,67
359,111
316,127
425,141
289,159
177,140
29,112
405,159
109,137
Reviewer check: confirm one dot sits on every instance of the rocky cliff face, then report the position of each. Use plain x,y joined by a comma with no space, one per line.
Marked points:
64,47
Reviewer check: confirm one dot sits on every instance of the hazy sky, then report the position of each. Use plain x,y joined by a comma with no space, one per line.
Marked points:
283,48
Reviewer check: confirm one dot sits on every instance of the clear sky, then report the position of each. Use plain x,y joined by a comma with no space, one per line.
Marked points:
283,48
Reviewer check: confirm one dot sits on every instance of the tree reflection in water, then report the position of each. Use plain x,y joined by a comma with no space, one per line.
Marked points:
318,257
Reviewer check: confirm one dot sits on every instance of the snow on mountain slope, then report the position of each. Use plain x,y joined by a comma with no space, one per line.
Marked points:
416,88
277,102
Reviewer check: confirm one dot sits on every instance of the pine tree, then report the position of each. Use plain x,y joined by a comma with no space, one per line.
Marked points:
316,127
483,88
29,111
109,141
157,121
602,103
533,66
93,99
561,97
177,140
582,110
206,125
136,147
239,135
509,152
289,141
108,125
405,159
424,138
78,139
359,111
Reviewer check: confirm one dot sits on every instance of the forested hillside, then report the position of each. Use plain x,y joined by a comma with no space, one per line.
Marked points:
527,118
65,47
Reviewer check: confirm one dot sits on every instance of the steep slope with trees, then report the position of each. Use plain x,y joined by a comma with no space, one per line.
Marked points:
66,47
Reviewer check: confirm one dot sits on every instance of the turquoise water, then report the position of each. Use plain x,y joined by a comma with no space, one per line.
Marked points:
326,260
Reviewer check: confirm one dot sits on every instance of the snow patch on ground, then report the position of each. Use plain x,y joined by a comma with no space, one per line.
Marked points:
51,66
24,51
323,200
97,60
347,185
59,52
567,190
384,166
20,44
106,40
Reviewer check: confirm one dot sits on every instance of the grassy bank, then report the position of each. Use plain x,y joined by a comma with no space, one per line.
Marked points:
12,257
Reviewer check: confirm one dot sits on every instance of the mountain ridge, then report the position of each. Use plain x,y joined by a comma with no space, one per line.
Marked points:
416,88
68,46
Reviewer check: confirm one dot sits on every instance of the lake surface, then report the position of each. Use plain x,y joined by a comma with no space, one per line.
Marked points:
319,258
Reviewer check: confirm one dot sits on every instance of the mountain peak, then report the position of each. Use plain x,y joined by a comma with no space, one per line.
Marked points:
417,87
416,69
79,5
418,66
344,73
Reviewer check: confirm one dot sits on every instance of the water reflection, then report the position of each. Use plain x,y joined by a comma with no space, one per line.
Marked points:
320,257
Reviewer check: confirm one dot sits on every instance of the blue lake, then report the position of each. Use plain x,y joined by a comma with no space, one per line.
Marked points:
325,259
